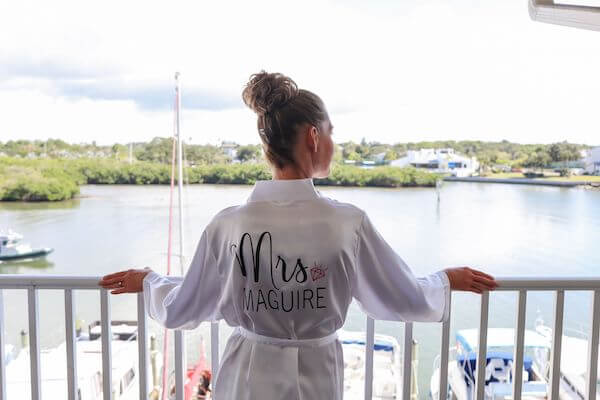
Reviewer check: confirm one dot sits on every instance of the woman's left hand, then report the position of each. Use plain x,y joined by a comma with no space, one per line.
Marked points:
130,281
470,280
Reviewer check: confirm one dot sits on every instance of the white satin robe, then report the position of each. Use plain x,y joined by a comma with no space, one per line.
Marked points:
315,256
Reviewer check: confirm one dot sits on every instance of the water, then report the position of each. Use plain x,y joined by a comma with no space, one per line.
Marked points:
505,230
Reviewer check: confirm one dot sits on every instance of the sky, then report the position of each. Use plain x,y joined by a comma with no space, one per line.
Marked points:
388,71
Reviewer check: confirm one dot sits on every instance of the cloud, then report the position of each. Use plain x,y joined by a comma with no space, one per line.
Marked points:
149,95
75,81
388,71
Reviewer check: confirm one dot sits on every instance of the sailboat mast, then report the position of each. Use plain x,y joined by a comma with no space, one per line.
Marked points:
180,172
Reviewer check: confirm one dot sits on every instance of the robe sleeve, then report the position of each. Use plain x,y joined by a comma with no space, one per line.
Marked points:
386,288
183,303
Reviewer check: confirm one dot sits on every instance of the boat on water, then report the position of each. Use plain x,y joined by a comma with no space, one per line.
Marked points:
499,363
573,364
9,237
11,249
53,364
387,376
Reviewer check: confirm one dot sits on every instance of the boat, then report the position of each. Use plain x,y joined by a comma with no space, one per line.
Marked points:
89,366
387,377
11,249
23,251
9,237
573,368
499,363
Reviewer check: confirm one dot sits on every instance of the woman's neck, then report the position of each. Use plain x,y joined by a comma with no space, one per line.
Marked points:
289,173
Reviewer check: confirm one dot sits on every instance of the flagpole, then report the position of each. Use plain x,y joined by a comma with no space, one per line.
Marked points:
180,172
180,351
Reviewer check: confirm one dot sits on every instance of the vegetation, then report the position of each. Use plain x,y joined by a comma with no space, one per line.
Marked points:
54,179
53,169
159,150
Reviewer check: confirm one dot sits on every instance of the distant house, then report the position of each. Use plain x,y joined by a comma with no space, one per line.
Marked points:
379,157
592,161
439,160
229,148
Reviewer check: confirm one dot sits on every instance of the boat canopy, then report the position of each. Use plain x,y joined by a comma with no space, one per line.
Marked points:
499,337
381,342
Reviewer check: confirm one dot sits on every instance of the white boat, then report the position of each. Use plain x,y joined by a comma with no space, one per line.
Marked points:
53,367
573,364
387,377
9,237
498,376
21,251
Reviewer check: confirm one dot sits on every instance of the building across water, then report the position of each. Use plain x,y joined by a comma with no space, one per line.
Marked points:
439,160
592,161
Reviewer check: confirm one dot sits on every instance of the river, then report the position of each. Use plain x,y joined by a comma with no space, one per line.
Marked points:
505,230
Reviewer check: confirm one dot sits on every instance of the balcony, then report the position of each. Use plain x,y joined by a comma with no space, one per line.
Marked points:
33,284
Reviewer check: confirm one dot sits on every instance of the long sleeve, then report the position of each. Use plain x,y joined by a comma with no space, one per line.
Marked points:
182,303
385,287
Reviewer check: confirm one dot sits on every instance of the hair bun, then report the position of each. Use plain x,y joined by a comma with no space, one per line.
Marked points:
266,92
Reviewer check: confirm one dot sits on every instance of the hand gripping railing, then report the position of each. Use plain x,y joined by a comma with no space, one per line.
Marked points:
521,285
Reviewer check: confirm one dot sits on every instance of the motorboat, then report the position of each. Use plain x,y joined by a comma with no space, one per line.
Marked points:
499,364
53,365
11,249
387,376
9,237
573,367
22,251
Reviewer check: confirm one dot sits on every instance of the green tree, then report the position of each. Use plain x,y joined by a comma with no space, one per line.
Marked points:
248,152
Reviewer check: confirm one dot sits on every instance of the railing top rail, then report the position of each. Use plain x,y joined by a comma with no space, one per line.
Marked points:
16,281
548,283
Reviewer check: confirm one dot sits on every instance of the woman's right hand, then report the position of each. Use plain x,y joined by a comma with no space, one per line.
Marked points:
470,280
129,281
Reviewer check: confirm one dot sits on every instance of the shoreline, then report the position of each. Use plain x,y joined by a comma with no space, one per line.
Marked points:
523,181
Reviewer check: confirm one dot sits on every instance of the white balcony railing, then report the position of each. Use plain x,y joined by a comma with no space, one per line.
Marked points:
32,284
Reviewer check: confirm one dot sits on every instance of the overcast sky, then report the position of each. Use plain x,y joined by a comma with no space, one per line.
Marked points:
389,71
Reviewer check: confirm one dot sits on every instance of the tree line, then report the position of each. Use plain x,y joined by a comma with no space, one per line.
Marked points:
59,179
159,150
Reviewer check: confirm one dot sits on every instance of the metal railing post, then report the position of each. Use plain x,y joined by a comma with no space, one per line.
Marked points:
482,346
34,342
407,360
444,355
559,305
369,344
214,348
519,345
106,337
2,344
71,345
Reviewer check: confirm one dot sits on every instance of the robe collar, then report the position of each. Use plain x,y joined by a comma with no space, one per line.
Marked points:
284,190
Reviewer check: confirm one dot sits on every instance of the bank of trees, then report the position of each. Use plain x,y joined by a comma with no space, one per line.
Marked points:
51,180
158,150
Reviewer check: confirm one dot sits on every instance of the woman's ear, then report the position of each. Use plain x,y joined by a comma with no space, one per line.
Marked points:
314,138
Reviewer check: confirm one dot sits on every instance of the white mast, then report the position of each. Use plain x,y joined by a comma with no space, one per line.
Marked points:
180,172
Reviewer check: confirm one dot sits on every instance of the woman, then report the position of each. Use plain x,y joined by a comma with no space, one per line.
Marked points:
283,267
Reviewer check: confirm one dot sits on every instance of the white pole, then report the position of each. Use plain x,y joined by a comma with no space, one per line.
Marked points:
180,351
180,172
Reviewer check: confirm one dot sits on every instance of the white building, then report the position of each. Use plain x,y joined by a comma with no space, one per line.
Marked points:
592,161
229,148
439,160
